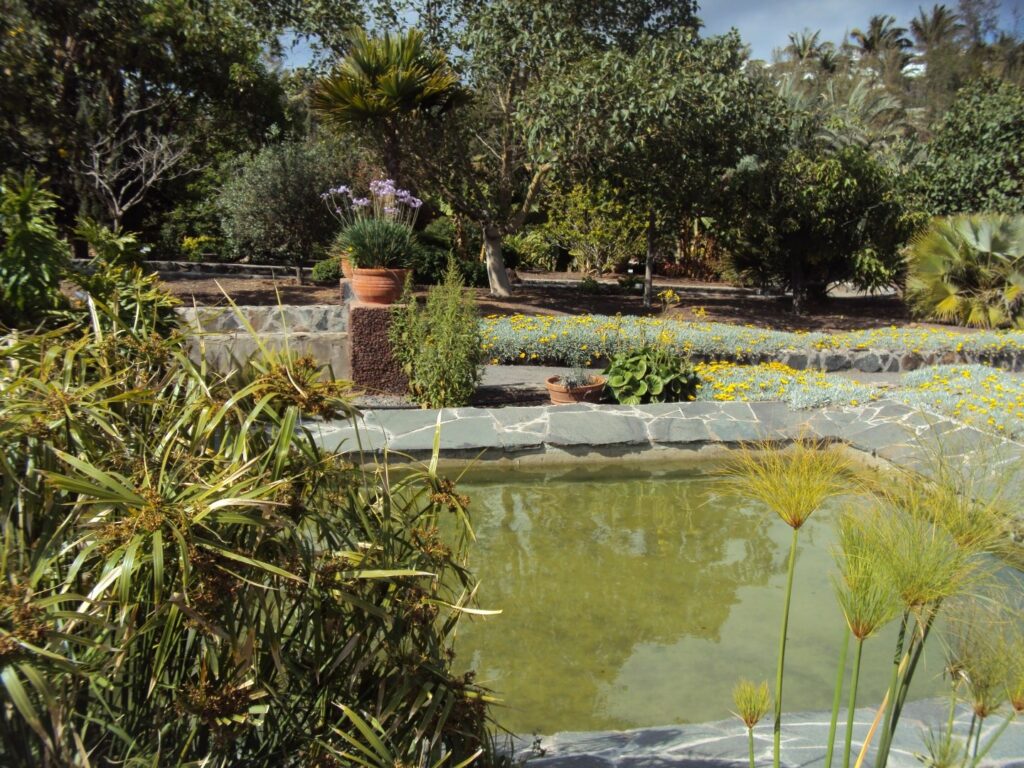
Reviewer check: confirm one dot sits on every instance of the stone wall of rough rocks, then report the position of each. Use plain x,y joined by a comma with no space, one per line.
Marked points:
872,360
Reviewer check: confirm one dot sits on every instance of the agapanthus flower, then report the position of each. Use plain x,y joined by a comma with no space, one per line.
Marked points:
390,210
414,202
342,190
382,188
360,202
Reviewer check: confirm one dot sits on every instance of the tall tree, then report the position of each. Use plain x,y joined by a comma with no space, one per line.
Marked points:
883,47
663,126
484,159
102,95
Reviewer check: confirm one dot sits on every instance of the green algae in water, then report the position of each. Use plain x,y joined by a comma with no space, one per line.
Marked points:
637,596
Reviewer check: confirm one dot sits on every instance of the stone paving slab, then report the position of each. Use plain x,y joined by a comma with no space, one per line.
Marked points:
724,743
895,432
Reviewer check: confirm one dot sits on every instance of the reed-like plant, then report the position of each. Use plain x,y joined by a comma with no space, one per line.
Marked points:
752,702
868,601
934,545
188,580
792,483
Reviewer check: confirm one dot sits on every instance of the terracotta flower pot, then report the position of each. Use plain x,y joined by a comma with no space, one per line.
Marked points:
346,267
378,285
587,393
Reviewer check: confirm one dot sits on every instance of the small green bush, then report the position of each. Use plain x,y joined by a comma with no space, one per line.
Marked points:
271,209
438,243
327,271
438,345
33,258
651,375
379,243
969,270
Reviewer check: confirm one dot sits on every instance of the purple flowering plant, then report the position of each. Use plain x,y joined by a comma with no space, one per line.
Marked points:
385,201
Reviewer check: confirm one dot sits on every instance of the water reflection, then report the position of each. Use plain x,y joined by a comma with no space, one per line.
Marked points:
638,599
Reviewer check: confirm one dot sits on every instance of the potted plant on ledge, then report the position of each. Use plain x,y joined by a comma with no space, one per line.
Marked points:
579,385
378,237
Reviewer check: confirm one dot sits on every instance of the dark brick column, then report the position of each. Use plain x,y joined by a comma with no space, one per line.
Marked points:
373,368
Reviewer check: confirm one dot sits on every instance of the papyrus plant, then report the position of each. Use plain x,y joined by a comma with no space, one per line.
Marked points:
793,484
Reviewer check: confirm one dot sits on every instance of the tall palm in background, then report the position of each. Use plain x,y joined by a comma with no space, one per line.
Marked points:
382,82
805,46
938,35
934,29
883,47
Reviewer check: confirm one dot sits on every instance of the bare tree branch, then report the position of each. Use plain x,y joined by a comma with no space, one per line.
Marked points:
125,164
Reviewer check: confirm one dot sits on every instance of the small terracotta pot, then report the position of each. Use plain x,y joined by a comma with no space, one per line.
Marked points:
588,393
378,285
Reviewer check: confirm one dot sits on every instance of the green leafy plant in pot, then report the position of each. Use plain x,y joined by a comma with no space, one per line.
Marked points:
651,375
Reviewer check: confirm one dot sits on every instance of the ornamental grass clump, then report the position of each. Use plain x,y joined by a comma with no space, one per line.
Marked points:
793,484
752,701
932,550
189,580
377,229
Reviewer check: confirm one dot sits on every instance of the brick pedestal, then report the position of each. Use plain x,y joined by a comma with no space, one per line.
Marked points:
372,366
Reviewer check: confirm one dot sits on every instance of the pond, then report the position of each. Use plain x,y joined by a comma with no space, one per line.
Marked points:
636,594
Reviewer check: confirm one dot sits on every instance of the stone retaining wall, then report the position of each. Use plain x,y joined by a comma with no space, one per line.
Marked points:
290,318
217,268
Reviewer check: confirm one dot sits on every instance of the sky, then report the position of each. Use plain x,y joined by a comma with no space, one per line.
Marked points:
766,24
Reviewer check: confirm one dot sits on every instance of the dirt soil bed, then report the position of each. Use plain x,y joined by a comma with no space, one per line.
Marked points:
715,303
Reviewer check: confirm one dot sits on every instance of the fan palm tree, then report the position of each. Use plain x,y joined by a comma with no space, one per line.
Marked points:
381,82
969,270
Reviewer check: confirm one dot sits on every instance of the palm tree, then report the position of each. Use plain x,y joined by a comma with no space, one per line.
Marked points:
935,29
969,270
381,82
804,46
882,34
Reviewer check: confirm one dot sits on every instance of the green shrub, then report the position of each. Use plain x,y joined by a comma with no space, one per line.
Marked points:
379,243
814,219
188,580
327,271
651,375
594,227
33,258
974,161
438,243
438,345
271,209
969,270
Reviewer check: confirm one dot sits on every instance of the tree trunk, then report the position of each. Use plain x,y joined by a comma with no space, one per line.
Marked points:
298,273
796,280
649,265
497,275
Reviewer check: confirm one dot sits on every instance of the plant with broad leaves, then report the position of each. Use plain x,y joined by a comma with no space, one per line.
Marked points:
651,375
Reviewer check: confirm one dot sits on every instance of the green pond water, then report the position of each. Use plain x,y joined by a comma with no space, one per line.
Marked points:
637,595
